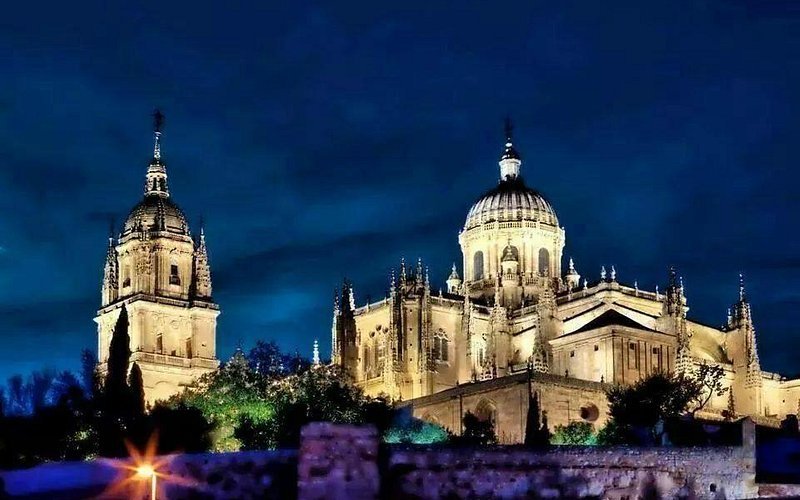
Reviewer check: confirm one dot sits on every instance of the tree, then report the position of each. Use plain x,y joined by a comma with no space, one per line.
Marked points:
88,374
136,390
578,433
119,353
641,407
267,360
476,432
710,379
536,432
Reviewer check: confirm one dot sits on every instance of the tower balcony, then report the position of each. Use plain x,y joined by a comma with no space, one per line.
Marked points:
178,361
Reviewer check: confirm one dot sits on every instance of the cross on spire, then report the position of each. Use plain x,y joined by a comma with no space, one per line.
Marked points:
158,120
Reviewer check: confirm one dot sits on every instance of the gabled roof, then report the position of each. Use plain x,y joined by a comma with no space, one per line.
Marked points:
611,318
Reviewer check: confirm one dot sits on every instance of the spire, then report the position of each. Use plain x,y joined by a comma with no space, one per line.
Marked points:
202,269
110,271
315,358
742,293
454,273
510,160
156,179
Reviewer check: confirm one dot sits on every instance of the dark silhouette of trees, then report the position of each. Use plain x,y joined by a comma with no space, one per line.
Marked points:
476,432
136,390
115,389
639,411
537,434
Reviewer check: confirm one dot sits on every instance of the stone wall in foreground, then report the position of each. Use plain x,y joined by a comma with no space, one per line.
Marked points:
343,462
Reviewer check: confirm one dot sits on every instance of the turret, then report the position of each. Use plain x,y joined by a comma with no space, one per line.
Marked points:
573,278
454,280
743,351
110,290
202,271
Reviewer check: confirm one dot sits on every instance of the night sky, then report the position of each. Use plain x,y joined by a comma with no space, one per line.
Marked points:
323,141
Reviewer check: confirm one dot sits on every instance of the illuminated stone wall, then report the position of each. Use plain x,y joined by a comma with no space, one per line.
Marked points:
505,401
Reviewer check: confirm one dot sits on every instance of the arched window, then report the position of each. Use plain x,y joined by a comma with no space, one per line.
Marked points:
380,352
477,266
544,262
367,359
486,411
174,276
440,346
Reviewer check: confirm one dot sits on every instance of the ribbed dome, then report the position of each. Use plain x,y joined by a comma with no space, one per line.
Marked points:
156,213
511,201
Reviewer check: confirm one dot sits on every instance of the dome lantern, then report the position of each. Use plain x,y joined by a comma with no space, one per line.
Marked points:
156,179
510,160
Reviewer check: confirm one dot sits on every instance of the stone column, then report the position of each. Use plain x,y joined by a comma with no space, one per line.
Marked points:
338,462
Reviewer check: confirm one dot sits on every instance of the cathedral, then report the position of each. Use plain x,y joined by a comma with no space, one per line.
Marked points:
160,275
514,308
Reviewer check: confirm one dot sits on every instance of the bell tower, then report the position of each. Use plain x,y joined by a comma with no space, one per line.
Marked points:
161,275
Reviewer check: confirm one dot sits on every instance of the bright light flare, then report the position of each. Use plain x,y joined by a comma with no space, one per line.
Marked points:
145,471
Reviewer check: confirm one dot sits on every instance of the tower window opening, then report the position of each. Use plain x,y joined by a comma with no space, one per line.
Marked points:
189,353
126,276
159,343
544,261
477,266
174,277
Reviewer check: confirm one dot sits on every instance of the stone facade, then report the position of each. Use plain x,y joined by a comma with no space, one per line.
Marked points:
161,274
517,307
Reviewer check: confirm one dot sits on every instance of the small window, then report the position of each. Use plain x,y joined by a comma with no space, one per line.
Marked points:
632,346
655,350
572,354
126,277
596,348
174,277
159,343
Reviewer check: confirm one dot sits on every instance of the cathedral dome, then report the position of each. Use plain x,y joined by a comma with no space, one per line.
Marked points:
511,201
156,213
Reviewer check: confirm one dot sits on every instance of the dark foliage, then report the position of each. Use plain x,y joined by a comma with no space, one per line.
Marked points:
476,432
537,435
115,388
136,391
640,411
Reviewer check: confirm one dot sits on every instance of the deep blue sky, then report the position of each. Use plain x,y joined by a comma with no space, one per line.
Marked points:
326,140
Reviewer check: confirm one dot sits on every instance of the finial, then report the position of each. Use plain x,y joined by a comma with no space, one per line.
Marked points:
672,276
613,274
111,224
680,283
571,266
636,286
316,353
509,129
585,284
158,122
603,273
427,277
742,294
658,295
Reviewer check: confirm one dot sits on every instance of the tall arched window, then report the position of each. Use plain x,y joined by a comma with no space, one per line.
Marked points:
440,346
544,262
477,266
367,360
